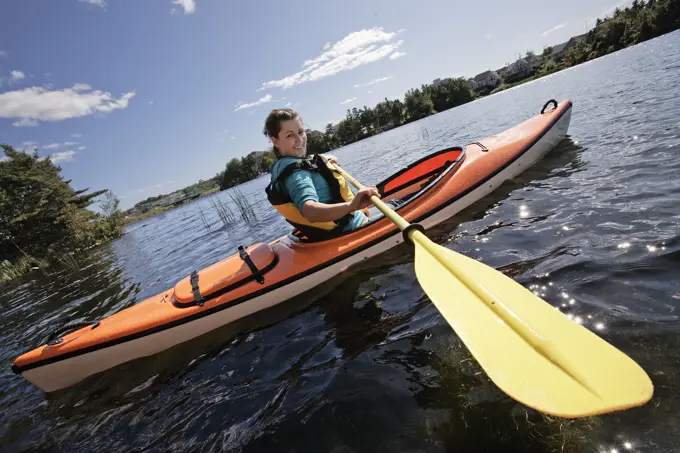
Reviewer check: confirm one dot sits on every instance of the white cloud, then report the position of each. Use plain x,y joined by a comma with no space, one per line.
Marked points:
80,148
373,82
354,50
34,104
232,137
396,55
14,76
62,156
264,100
57,145
29,144
188,5
3,54
76,135
81,87
100,3
347,101
150,102
25,122
555,28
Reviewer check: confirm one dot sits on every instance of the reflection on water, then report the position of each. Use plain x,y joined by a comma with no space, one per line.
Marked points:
365,363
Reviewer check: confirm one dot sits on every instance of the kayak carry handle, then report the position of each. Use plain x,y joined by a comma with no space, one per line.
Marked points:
552,101
52,339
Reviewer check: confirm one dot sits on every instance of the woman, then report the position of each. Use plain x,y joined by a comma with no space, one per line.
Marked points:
306,190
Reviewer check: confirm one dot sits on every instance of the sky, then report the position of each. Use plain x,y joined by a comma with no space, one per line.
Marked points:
144,98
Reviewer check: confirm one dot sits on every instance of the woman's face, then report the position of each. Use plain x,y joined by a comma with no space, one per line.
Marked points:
292,139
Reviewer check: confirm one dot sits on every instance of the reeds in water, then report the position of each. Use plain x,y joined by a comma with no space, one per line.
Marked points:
71,260
203,218
226,212
244,206
223,211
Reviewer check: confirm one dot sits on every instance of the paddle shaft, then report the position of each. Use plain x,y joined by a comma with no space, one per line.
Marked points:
533,338
424,241
386,210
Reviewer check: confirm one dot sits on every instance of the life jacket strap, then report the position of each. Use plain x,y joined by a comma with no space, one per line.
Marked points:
277,196
303,164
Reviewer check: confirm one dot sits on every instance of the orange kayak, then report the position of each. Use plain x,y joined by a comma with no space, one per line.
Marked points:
258,277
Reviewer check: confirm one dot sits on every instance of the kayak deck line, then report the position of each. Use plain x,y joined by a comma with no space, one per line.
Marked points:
433,189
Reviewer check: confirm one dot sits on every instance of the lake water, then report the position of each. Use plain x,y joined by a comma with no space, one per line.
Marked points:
369,365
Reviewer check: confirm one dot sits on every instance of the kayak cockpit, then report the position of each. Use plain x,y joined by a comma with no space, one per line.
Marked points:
408,184
414,180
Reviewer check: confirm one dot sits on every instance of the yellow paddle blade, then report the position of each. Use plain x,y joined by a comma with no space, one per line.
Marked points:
528,348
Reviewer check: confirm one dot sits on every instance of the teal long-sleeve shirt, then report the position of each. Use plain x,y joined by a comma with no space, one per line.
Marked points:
305,185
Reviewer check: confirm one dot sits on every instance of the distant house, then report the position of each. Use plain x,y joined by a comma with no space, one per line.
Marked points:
534,61
518,70
486,81
171,199
560,50
501,71
436,82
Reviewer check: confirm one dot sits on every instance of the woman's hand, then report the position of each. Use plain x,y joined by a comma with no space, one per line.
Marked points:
322,212
363,198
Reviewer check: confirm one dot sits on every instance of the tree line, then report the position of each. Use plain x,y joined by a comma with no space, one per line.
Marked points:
418,103
236,171
632,25
43,219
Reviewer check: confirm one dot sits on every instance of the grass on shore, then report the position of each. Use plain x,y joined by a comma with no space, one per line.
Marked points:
10,271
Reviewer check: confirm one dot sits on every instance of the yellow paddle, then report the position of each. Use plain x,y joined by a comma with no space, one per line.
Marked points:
529,349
